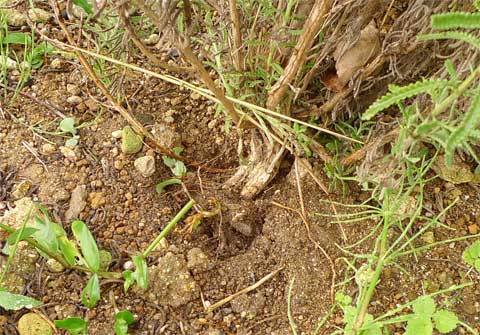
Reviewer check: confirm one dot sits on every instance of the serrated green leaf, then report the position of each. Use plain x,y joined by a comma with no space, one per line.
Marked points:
73,325
456,20
91,292
14,302
419,325
342,299
445,321
424,305
87,244
454,35
469,122
471,255
398,94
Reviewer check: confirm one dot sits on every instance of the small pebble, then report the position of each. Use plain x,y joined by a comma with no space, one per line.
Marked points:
473,229
74,100
117,134
48,148
73,89
145,165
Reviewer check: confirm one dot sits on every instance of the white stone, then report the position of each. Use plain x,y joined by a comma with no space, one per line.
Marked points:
145,165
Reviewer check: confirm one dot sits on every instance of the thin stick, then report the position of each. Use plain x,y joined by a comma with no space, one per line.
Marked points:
35,154
299,56
237,35
243,291
317,245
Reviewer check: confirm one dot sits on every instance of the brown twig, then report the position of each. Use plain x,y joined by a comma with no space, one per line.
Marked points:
237,35
243,291
299,56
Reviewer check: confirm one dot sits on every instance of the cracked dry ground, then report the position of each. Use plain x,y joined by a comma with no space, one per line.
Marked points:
228,252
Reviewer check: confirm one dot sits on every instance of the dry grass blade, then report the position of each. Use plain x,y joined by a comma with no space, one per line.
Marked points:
204,92
243,291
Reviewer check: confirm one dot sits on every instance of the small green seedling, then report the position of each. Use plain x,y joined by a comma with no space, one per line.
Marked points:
178,167
67,125
91,292
425,317
12,301
471,255
140,275
51,241
122,320
73,325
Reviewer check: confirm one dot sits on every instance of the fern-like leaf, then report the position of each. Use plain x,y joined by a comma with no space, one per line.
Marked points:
399,93
456,20
464,130
455,35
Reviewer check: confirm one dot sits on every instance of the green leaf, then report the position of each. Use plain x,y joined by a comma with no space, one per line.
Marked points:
85,5
14,302
27,232
141,271
397,94
129,279
87,244
419,325
180,169
67,125
424,305
456,20
45,234
461,133
342,299
371,329
69,250
73,325
160,186
471,255
445,321
17,38
122,320
91,292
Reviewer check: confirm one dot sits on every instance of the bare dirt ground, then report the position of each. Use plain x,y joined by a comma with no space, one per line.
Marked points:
226,253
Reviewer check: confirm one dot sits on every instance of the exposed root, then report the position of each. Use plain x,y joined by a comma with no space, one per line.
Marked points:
263,164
